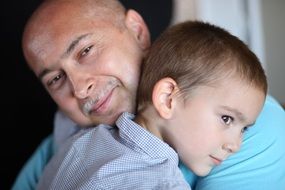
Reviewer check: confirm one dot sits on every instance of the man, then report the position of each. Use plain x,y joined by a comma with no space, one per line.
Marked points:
87,55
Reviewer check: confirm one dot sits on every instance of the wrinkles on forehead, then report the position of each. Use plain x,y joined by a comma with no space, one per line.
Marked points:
76,11
58,19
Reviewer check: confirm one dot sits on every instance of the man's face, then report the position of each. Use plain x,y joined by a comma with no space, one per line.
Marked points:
91,69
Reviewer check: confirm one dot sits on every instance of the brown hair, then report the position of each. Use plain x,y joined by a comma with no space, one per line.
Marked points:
195,53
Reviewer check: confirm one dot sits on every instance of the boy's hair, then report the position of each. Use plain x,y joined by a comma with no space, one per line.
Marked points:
196,53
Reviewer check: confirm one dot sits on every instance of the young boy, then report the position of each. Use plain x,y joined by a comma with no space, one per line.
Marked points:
200,89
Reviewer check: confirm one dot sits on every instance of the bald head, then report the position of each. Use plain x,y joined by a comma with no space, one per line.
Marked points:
50,9
58,17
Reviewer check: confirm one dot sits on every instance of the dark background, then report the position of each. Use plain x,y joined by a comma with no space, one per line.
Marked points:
26,109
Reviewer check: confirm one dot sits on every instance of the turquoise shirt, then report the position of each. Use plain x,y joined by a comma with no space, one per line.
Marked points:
259,165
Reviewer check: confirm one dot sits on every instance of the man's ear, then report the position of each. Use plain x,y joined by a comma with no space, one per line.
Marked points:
164,98
137,26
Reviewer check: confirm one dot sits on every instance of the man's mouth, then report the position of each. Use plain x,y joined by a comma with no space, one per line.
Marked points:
99,106
102,104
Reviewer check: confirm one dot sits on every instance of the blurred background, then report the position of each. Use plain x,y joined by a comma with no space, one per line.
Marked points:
27,110
259,23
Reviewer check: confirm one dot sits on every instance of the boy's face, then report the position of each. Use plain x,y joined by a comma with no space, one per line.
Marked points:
208,127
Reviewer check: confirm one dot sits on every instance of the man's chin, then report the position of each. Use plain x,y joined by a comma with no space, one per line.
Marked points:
109,120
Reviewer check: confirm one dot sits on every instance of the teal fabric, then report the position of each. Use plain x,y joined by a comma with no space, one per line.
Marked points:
259,165
32,170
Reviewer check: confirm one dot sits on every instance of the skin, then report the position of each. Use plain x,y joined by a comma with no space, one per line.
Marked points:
90,66
88,62
206,128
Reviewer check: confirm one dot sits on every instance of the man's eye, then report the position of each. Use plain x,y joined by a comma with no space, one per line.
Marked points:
86,51
227,119
55,79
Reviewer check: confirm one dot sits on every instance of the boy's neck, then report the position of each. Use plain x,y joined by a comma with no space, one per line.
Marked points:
149,119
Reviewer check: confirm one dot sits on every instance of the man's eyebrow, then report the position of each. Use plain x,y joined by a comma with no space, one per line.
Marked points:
43,73
74,43
69,49
240,116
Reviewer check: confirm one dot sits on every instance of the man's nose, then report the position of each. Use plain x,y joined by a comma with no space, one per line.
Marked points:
84,89
82,83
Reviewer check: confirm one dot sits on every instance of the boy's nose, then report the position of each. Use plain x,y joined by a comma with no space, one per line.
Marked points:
233,145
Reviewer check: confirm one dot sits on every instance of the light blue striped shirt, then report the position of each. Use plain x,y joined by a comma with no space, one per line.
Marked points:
127,157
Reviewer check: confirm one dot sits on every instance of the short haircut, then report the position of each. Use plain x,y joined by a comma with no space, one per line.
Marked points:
196,53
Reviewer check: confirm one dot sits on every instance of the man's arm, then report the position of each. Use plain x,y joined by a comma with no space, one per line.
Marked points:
260,162
28,177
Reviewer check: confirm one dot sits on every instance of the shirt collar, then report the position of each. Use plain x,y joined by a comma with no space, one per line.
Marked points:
146,141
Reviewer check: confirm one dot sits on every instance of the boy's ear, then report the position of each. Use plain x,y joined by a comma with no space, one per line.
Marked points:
163,97
137,26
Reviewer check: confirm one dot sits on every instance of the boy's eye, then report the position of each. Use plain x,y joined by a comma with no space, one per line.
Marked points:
227,119
244,129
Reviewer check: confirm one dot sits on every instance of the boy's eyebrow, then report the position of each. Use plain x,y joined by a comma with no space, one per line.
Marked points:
69,49
240,116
